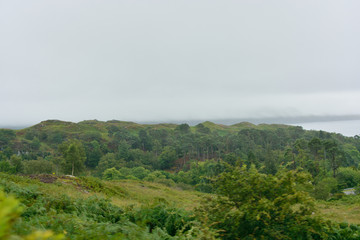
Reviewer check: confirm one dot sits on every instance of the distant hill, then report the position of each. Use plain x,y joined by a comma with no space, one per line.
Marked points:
231,121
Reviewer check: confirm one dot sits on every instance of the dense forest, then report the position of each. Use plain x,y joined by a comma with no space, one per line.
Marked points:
256,181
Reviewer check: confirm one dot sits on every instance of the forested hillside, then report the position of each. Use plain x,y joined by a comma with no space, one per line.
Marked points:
264,176
118,144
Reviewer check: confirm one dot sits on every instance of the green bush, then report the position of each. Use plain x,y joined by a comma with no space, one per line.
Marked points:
254,205
325,188
9,212
348,177
96,185
112,174
160,216
6,167
38,166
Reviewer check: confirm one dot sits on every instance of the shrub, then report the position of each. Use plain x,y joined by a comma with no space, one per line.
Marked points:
348,177
38,166
254,205
6,167
160,216
112,174
324,188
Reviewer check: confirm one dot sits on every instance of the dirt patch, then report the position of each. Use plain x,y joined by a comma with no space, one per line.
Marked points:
65,180
45,178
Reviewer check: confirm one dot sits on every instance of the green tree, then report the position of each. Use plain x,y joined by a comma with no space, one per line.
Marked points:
352,155
2,156
252,205
112,129
6,135
139,172
57,163
200,128
155,175
145,140
335,155
325,187
157,148
17,163
348,177
167,157
123,150
55,137
74,156
271,164
35,144
38,166
230,158
251,159
112,174
109,160
5,166
183,128
315,146
8,152
93,154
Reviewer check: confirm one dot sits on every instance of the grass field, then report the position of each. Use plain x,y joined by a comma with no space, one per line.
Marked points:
344,210
140,193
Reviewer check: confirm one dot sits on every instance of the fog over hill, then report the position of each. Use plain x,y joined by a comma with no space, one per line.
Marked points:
226,61
270,120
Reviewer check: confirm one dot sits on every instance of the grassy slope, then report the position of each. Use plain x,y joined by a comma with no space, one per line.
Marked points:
122,193
131,193
341,210
143,193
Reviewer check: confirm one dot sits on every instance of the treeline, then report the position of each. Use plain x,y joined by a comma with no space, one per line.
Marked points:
178,153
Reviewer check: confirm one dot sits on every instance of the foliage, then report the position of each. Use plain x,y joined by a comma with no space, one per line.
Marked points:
160,216
167,158
258,175
255,205
6,135
93,217
74,156
6,167
348,177
324,188
93,154
109,160
10,211
17,164
173,147
38,166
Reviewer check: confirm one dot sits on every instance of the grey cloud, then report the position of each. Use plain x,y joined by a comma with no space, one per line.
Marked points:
154,60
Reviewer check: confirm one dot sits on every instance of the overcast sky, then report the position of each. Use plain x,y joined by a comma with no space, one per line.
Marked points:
175,60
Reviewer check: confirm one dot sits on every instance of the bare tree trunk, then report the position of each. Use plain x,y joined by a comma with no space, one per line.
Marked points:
324,160
294,162
184,159
72,170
